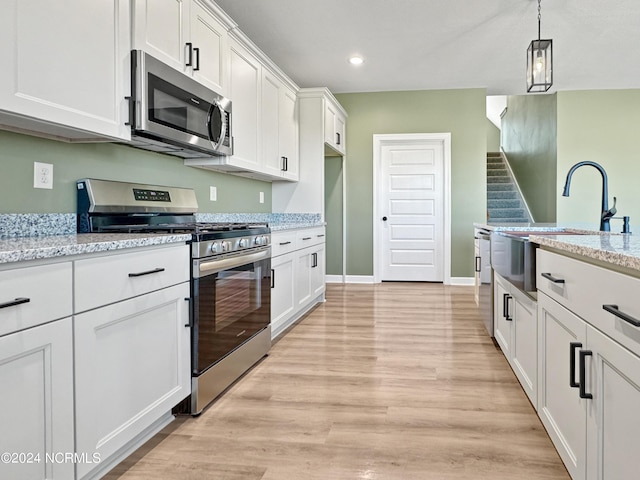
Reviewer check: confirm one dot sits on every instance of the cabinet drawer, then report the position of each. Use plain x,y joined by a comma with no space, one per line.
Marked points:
111,278
587,288
282,242
309,237
34,295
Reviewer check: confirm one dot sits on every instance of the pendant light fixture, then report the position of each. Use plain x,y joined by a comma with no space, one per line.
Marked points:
539,63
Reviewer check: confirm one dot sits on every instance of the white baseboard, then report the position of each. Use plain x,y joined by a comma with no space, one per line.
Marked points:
463,281
334,278
359,279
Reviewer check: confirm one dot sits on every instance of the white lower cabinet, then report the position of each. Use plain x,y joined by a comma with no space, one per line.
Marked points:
36,403
298,275
131,367
516,327
589,381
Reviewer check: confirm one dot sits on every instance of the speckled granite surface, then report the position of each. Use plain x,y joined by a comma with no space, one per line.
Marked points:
276,221
615,249
538,227
34,248
14,225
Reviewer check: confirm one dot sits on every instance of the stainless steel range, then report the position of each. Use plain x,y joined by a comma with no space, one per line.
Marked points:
230,276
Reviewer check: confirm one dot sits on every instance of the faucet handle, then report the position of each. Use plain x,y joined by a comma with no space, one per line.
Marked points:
611,212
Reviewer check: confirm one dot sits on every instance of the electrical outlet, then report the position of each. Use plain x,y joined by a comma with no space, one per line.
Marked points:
213,194
42,175
261,197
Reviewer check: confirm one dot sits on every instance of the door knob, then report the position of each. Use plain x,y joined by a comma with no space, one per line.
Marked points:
384,219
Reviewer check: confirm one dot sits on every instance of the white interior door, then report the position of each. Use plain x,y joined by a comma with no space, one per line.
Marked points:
411,209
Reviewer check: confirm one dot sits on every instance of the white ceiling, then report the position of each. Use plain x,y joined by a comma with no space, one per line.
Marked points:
442,44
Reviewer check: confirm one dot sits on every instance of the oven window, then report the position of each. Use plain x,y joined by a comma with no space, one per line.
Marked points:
229,308
177,109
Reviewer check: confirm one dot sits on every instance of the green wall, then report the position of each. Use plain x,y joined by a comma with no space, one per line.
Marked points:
461,112
113,162
529,132
493,137
602,126
333,210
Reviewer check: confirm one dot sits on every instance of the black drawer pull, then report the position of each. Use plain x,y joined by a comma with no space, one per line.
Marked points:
613,309
505,307
13,303
478,264
273,278
551,278
148,272
320,236
306,238
583,373
572,364
285,243
190,324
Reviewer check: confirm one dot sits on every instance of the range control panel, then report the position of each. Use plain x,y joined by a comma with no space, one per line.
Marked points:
151,195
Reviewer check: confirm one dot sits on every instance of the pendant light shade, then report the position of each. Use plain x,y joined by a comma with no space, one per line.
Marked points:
539,63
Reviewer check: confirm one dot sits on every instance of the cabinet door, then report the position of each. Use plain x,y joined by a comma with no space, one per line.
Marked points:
244,90
303,277
613,419
66,63
36,403
317,271
562,411
340,133
161,28
271,154
524,345
329,124
283,302
503,308
132,365
288,124
210,37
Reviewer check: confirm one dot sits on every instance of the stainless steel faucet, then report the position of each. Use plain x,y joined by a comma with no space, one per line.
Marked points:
606,212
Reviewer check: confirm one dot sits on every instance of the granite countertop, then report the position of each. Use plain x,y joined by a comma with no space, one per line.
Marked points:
34,248
538,227
277,227
614,249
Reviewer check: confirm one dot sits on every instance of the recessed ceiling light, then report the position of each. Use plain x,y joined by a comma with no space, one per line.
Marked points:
355,60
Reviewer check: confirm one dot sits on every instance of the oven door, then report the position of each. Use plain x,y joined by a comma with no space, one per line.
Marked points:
231,303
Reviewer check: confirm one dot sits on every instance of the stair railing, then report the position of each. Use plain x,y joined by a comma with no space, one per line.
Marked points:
515,181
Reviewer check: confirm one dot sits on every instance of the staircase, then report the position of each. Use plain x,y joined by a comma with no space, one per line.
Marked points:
504,202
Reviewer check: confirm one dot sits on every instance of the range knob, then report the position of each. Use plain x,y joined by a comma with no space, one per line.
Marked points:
261,240
226,246
215,247
243,243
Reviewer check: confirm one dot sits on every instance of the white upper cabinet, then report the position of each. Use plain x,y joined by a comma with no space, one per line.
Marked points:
65,68
334,128
186,35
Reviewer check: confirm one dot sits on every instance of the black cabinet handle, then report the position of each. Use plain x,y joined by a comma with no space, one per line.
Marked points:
551,278
583,373
505,307
320,236
306,238
190,57
478,264
283,168
197,66
286,164
273,278
13,303
190,324
572,364
130,108
613,309
148,272
314,261
337,138
284,243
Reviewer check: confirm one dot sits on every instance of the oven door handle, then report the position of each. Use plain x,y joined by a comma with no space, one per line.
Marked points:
215,266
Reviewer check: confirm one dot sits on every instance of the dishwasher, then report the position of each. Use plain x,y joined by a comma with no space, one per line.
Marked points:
484,278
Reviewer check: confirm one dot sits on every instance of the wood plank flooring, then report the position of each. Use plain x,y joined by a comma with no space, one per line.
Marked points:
389,381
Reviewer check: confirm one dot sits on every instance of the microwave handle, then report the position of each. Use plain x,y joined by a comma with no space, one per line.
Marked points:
216,106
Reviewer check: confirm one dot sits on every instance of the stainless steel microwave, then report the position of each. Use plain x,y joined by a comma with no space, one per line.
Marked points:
172,113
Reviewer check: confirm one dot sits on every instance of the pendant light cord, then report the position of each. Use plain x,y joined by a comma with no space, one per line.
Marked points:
539,16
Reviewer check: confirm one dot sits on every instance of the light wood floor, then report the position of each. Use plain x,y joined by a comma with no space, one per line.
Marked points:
390,381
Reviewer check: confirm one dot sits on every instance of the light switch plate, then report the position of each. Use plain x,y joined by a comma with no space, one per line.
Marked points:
42,175
261,197
213,193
